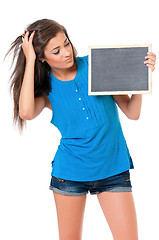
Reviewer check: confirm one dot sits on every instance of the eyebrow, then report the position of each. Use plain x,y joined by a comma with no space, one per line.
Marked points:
59,46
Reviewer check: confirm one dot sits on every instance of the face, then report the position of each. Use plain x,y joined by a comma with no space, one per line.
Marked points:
59,53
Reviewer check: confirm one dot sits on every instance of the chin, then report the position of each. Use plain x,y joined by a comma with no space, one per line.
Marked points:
69,64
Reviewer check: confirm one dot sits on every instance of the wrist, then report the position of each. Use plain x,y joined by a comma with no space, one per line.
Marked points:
30,61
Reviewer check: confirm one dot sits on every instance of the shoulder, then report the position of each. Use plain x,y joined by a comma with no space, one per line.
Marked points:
83,59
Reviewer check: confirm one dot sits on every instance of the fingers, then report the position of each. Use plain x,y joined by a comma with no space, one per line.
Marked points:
151,60
25,36
151,56
152,67
27,45
31,36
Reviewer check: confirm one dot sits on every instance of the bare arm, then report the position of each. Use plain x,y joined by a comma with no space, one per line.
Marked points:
29,107
131,107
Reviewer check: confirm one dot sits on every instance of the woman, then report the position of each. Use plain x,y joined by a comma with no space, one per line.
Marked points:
93,154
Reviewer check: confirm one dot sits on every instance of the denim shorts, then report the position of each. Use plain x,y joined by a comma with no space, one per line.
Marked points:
117,183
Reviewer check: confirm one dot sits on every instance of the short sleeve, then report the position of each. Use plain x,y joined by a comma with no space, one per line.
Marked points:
84,59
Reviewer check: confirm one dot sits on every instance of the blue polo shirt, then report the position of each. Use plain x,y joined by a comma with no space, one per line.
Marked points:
92,144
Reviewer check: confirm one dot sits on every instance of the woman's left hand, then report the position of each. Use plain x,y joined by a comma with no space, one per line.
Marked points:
151,60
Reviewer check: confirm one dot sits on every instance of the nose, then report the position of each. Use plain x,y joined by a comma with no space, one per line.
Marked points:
66,52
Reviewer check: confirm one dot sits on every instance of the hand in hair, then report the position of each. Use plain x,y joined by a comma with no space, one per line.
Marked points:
27,46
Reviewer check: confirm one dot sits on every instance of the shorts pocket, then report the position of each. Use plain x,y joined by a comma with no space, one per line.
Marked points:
59,179
127,180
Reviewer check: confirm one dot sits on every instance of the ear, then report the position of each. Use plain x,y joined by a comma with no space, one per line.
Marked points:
42,60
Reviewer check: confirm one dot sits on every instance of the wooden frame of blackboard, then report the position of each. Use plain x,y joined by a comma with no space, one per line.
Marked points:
148,47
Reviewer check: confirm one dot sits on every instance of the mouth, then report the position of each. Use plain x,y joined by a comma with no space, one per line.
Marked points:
68,59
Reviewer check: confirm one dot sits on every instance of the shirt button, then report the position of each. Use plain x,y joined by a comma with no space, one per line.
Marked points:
79,98
83,108
76,90
86,117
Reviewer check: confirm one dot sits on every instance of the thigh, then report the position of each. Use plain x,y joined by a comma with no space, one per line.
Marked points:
120,213
70,214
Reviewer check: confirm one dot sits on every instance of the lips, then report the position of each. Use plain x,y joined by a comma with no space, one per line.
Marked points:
68,59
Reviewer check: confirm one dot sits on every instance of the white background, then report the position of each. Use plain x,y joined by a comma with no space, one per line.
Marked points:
27,208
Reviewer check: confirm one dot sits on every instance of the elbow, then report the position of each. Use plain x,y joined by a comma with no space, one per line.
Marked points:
134,117
25,116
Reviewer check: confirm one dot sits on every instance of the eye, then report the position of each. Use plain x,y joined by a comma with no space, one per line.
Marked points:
67,44
56,52
59,50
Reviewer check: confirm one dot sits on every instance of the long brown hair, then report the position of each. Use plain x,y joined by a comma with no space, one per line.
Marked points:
45,29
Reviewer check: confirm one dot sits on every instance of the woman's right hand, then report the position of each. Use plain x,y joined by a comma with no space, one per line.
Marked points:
27,46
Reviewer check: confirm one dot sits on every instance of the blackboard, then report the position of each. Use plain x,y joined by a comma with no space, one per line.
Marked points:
119,69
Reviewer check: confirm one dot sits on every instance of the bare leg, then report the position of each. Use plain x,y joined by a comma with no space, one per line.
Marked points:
119,211
70,214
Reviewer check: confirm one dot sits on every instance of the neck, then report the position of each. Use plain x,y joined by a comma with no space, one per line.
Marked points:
64,74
